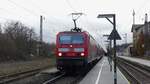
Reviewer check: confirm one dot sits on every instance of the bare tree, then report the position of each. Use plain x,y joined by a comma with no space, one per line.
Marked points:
23,37
19,42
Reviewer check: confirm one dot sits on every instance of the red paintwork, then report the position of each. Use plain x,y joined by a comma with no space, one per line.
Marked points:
86,42
90,46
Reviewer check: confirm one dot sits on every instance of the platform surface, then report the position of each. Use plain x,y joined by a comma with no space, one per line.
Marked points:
138,60
101,74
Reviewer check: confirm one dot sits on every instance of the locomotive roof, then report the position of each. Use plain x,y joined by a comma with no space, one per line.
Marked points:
78,32
74,32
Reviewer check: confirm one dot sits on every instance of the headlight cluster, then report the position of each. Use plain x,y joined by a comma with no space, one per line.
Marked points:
79,49
63,49
67,50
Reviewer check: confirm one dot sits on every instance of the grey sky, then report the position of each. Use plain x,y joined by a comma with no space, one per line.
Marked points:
56,13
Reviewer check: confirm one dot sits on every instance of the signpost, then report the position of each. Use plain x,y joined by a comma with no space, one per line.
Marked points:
113,36
109,51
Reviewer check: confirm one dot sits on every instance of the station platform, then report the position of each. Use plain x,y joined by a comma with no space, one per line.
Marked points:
137,60
101,74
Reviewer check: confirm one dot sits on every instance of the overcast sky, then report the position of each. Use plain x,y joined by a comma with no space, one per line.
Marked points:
57,18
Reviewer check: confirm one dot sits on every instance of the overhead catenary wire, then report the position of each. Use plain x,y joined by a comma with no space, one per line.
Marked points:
42,11
92,26
45,14
69,4
32,12
86,19
8,12
25,9
29,11
16,5
4,18
100,41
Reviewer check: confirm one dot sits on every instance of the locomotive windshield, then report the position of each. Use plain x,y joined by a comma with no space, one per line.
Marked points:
71,39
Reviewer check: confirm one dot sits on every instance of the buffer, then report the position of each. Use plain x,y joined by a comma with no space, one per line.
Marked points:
114,35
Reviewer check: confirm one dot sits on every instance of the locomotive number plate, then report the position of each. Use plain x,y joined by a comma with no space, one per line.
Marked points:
70,54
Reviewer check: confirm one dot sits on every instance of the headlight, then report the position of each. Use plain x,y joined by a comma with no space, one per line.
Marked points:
63,49
59,54
82,54
79,49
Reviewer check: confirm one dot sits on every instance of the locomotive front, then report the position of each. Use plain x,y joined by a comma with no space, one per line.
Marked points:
71,50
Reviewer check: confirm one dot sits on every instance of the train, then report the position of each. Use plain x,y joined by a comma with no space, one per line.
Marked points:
76,50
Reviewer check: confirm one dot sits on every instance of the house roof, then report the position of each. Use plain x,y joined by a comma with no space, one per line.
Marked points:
136,26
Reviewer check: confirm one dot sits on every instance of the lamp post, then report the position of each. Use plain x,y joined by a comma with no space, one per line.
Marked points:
113,36
40,50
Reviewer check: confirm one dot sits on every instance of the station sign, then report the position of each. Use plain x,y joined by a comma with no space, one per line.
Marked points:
114,35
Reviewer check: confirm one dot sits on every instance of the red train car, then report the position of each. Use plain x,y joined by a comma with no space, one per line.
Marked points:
76,49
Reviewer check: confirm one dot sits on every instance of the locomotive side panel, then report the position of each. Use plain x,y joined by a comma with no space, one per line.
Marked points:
91,49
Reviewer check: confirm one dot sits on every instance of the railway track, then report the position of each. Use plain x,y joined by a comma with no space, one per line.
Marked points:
54,78
14,77
47,78
65,79
69,78
135,73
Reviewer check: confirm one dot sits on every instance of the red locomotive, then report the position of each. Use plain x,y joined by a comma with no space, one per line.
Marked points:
75,50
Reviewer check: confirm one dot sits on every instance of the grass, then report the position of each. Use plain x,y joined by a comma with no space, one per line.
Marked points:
17,67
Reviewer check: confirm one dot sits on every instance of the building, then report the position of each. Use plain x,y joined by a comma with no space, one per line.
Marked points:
141,38
128,50
146,32
138,42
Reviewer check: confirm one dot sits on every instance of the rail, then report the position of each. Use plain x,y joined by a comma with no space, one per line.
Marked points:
54,78
135,72
16,76
72,77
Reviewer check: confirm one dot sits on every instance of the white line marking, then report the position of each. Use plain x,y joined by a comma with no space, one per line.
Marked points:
123,76
99,74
